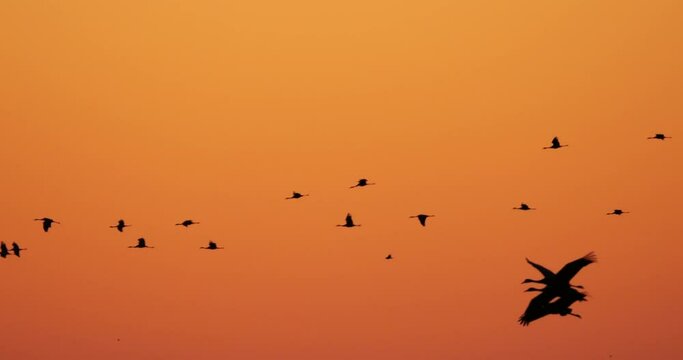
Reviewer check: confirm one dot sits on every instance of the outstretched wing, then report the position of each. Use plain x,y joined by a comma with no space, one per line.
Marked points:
571,269
543,270
556,142
538,308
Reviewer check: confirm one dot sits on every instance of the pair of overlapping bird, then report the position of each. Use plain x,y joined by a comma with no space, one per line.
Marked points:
559,294
4,251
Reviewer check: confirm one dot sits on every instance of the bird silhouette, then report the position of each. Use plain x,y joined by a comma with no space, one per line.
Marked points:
524,207
296,195
47,223
212,246
659,137
618,212
349,222
142,244
555,144
3,250
187,223
389,257
541,306
120,225
422,218
559,282
361,183
16,249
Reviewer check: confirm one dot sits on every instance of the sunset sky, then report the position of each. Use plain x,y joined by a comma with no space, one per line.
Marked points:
159,111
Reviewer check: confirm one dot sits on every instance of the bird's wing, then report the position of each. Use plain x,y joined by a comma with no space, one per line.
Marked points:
543,270
349,219
571,269
556,141
538,308
423,220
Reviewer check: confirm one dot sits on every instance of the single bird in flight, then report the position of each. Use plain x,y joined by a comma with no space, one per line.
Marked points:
523,207
296,195
142,244
187,223
16,249
389,257
555,144
422,218
47,223
120,225
361,183
212,246
3,250
349,222
659,137
618,212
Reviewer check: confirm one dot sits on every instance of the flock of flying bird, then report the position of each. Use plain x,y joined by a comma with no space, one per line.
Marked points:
555,298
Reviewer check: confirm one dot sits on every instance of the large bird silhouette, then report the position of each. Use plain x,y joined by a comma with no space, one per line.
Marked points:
47,223
349,222
556,283
555,144
618,212
541,306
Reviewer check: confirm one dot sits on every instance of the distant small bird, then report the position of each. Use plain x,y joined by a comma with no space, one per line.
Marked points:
555,144
16,249
187,223
349,222
422,218
296,195
361,183
142,244
659,137
212,246
389,257
618,212
47,223
3,250
121,224
523,207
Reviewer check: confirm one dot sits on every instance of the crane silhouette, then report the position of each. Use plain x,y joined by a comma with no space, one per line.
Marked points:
541,306
361,183
3,250
187,223
523,207
47,223
349,222
618,212
212,246
120,225
556,283
389,257
555,144
422,218
296,195
16,249
142,244
659,137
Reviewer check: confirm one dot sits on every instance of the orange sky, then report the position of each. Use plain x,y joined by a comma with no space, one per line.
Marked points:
159,111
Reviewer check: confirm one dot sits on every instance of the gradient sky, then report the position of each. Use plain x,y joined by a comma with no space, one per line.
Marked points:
158,111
